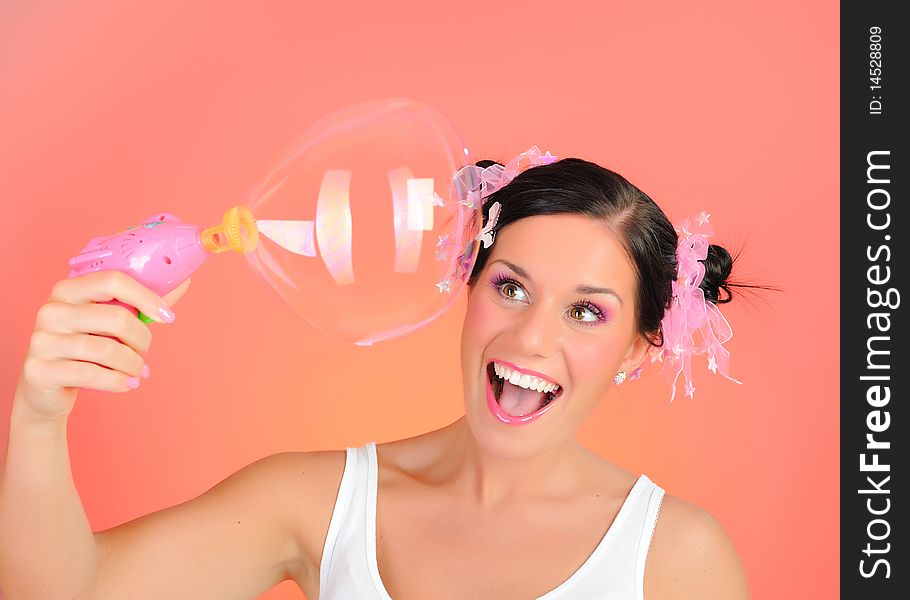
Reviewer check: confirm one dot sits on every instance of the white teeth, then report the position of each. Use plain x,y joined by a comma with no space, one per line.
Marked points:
523,380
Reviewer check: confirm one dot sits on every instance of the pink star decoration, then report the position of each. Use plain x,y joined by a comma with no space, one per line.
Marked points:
712,364
472,200
443,247
548,158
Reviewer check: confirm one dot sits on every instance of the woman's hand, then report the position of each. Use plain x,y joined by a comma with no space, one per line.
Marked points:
69,349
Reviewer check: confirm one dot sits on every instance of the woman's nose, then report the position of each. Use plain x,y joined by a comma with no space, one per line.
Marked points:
538,329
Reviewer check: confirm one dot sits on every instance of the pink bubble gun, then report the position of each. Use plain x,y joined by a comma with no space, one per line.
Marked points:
163,251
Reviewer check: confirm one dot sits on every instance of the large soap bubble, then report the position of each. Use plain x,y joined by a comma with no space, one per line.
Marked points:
365,230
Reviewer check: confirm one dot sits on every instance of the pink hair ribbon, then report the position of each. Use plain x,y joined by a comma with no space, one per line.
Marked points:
476,183
691,325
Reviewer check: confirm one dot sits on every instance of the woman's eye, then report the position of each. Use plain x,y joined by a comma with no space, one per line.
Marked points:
583,313
507,286
581,310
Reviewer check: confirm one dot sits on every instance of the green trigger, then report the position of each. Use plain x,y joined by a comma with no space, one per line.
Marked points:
144,318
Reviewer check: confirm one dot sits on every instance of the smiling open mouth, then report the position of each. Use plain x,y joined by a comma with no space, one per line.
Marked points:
517,401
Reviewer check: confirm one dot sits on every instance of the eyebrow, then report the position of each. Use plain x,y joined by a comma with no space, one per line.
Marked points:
581,289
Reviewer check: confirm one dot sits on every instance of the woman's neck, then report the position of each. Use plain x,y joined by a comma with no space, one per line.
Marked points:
490,480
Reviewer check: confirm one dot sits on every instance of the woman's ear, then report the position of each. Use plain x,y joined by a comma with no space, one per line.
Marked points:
636,354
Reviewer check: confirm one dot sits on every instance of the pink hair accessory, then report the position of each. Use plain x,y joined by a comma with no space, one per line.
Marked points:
487,234
476,183
691,325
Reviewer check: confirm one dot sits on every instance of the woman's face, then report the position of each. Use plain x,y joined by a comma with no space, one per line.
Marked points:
557,298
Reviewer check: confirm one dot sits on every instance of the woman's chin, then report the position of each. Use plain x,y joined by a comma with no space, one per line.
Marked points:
507,440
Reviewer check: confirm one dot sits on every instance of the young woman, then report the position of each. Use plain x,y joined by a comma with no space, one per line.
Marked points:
567,296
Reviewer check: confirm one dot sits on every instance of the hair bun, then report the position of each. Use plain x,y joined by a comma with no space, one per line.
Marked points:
718,266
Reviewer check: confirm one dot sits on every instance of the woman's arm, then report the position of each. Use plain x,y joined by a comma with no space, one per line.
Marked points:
691,557
46,544
261,525
264,524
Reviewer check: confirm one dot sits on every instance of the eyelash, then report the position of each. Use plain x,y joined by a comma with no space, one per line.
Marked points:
501,280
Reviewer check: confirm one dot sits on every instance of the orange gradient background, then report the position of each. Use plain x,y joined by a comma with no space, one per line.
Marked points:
110,112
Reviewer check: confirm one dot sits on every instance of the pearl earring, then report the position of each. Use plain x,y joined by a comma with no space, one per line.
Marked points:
619,377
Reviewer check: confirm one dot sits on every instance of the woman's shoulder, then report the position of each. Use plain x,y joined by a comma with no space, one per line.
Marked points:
300,490
290,482
691,555
308,481
299,475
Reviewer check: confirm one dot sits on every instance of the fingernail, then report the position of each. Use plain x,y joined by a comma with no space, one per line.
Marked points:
167,314
132,383
145,371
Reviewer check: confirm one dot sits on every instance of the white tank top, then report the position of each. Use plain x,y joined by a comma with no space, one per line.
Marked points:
350,571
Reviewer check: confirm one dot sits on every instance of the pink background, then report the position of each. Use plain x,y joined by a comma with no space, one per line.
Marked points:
109,112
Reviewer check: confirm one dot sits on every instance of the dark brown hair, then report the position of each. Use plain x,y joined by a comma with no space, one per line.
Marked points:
576,186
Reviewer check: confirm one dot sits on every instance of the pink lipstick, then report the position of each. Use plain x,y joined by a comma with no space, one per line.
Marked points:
506,418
